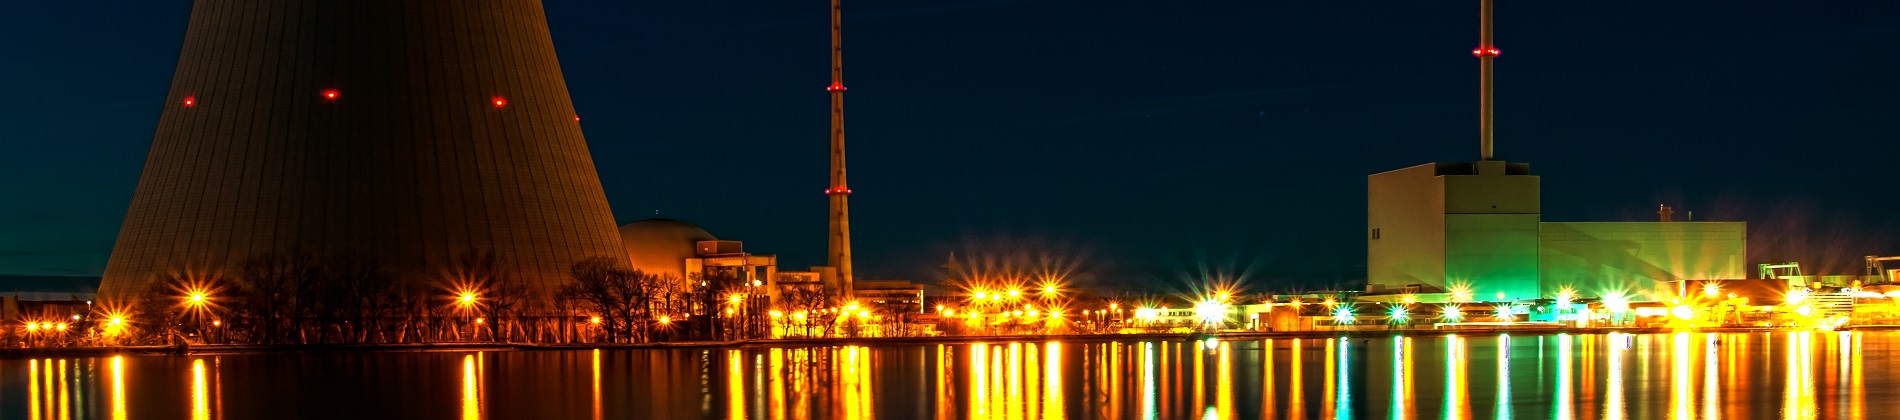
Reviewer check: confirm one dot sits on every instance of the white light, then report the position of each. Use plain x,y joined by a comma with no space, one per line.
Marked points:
1210,311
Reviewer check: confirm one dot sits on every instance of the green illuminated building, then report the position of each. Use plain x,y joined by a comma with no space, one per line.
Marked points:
1479,224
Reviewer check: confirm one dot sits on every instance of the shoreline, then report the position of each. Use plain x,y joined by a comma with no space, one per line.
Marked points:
233,349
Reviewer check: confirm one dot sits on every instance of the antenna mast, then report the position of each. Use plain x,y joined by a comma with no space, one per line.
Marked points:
839,247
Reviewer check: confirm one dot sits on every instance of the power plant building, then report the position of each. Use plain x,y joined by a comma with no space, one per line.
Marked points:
1437,226
1477,228
408,132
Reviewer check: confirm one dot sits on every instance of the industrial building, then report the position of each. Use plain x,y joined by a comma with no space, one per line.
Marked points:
1475,230
676,249
1478,224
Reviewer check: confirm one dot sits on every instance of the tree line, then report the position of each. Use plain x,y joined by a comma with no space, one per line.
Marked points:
309,298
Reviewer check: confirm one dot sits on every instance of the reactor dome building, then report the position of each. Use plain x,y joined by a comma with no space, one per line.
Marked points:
413,132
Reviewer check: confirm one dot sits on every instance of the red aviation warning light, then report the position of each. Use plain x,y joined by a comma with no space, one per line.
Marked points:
577,118
191,101
499,102
330,94
838,190
835,87
1485,52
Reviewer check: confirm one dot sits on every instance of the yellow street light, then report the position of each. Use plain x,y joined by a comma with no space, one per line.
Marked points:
593,320
114,321
1014,293
735,298
466,299
62,326
666,319
478,320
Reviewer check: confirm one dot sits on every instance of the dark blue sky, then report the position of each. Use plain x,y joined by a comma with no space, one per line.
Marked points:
1154,136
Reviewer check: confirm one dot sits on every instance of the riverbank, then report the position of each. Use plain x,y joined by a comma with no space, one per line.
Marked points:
227,349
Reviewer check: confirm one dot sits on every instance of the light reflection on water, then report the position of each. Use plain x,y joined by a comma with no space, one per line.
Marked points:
1795,375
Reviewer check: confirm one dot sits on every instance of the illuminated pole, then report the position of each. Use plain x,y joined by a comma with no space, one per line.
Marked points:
1486,53
839,250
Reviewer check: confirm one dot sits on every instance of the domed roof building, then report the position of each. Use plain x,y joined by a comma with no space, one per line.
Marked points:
662,246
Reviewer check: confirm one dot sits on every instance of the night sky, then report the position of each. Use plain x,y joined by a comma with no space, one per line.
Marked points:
1152,139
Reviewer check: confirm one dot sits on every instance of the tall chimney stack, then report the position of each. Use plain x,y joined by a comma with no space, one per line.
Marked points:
1487,52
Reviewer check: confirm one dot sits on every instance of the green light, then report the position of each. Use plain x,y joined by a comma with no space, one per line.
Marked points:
1343,315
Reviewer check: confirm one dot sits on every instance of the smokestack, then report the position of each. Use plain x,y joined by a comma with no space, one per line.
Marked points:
1665,212
1486,52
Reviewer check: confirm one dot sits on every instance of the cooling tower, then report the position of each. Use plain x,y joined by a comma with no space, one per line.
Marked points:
413,132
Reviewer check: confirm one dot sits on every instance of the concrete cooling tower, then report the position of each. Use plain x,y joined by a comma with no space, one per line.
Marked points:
412,132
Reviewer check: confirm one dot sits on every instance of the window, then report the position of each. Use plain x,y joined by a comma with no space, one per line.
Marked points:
1375,233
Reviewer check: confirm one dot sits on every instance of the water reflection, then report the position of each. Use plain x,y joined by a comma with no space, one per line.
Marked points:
1457,404
1053,394
1504,376
1613,405
1342,402
1680,392
200,407
1401,407
596,383
471,390
1296,402
1564,398
118,388
1796,375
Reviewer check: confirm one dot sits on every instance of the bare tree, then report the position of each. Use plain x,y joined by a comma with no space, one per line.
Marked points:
603,287
812,307
275,290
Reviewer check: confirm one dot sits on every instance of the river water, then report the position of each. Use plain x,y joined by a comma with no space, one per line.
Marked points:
1680,375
